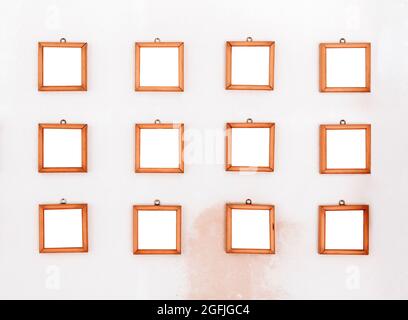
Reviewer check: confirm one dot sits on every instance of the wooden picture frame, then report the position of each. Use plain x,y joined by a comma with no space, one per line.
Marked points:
324,147
229,227
229,85
41,147
43,86
156,207
229,165
322,229
139,167
324,86
139,86
42,226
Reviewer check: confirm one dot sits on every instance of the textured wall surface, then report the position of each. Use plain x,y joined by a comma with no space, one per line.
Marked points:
111,107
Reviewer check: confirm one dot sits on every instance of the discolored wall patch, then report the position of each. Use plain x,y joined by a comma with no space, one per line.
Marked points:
214,274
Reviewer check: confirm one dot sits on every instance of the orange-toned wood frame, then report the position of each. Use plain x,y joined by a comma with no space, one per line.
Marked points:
136,209
84,76
249,125
84,208
323,70
180,46
153,126
243,206
323,148
322,229
229,45
84,148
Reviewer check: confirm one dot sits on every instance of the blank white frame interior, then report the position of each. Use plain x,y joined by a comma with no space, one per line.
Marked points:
156,229
250,228
63,228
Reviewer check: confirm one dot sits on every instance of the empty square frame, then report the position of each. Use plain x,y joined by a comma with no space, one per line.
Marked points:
62,66
159,148
345,67
159,66
343,229
156,229
63,228
62,147
345,148
250,228
250,146
250,65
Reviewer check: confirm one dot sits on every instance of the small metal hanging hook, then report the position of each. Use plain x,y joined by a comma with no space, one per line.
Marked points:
63,201
156,39
342,203
63,40
342,122
342,40
157,202
157,121
248,201
63,121
249,39
249,120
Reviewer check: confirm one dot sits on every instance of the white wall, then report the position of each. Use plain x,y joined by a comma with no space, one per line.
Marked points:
111,107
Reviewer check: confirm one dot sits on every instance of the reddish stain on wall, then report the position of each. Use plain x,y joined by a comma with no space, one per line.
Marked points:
214,274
